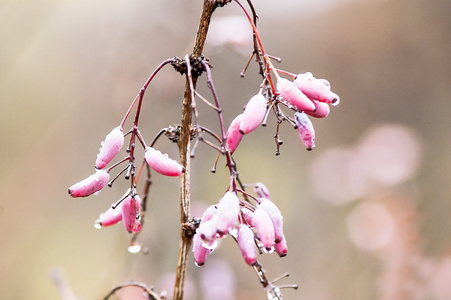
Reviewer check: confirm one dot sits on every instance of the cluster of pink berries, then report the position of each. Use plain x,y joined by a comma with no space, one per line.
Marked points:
252,226
128,208
306,95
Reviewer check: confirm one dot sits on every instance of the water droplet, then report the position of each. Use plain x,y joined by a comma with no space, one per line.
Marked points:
134,248
233,232
197,265
98,225
210,245
96,193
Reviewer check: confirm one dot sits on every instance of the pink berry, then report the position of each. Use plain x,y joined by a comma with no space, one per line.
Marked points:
131,208
247,215
276,217
316,89
200,253
110,217
292,95
228,210
264,227
262,191
322,110
253,114
281,247
305,130
246,243
233,134
90,185
162,164
110,147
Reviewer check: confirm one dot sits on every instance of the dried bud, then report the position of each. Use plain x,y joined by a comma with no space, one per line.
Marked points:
162,164
293,95
262,191
131,208
253,114
316,89
281,247
110,217
200,253
90,185
322,110
276,217
305,129
228,210
233,134
264,227
110,147
246,244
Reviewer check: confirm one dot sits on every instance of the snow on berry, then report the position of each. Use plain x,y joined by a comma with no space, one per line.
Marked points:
253,114
110,147
264,227
246,243
228,210
162,164
91,185
276,217
305,130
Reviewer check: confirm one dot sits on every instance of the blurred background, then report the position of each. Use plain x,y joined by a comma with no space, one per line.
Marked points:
366,213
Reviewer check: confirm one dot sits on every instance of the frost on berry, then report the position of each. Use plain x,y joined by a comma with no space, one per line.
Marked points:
292,95
264,227
262,191
131,208
209,233
228,210
247,215
253,114
316,89
112,216
162,163
246,243
88,186
281,247
305,130
200,253
233,134
276,217
110,147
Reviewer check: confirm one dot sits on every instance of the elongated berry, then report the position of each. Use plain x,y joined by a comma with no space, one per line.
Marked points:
316,89
276,217
292,95
322,110
90,185
233,134
110,217
305,130
246,243
262,191
253,114
228,210
200,253
247,215
264,227
208,233
110,147
131,208
281,247
162,164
